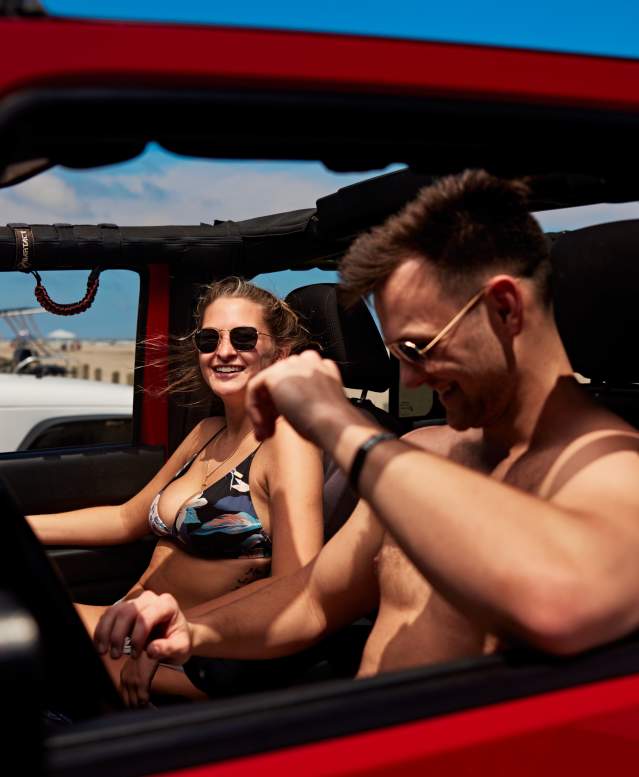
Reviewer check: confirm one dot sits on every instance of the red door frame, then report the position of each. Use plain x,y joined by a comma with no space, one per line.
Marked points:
154,428
582,730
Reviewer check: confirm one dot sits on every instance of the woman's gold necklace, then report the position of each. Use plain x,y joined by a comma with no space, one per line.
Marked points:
208,471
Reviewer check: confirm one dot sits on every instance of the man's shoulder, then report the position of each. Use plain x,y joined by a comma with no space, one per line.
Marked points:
603,456
443,439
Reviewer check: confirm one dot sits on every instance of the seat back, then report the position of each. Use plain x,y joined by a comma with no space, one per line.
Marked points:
595,290
349,336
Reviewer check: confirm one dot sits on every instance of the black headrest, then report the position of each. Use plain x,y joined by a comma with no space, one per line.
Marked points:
348,336
596,298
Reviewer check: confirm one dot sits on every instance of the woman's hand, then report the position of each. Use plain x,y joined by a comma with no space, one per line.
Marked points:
135,680
154,623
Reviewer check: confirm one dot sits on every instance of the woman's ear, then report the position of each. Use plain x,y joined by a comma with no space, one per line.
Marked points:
281,352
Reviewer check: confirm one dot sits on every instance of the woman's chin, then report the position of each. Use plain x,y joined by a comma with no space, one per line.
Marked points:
228,387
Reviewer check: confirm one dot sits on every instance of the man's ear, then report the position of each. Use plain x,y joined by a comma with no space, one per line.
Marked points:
504,302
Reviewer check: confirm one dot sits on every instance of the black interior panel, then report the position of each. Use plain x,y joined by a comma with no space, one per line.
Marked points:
21,673
57,481
75,684
102,575
67,480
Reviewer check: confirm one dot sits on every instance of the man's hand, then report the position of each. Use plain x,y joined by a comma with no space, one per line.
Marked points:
305,389
135,680
152,623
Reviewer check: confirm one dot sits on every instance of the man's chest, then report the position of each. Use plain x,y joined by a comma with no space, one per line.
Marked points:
528,470
400,584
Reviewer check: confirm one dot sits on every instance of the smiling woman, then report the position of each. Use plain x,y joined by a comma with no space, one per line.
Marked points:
228,510
269,330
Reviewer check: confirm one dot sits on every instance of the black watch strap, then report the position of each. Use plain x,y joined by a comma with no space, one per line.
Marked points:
362,452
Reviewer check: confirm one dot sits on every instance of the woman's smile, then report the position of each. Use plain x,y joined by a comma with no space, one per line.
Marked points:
227,373
228,369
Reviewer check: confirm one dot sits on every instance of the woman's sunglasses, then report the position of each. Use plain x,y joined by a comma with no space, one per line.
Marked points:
243,338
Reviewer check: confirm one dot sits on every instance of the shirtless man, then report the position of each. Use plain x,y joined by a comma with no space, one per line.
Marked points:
522,517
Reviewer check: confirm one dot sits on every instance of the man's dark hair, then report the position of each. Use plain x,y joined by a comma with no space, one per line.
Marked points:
465,225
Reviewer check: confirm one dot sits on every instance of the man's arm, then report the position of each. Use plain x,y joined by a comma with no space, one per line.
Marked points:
562,575
294,611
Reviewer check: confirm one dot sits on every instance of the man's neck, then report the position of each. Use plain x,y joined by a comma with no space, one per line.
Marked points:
543,385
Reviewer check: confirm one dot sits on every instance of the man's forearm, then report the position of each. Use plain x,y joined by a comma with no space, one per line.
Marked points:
230,598
277,620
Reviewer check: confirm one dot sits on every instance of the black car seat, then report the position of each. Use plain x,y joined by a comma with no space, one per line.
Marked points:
349,336
595,288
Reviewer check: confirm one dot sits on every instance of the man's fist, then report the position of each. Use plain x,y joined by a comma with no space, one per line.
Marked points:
305,389
152,623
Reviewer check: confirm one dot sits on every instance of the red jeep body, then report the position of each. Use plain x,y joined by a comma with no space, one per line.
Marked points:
591,725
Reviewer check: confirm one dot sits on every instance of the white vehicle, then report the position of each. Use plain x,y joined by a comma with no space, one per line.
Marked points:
50,412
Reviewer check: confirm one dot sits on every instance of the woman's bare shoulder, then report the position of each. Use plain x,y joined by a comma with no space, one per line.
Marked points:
286,442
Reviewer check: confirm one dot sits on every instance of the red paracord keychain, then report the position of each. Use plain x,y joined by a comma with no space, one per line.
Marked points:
70,308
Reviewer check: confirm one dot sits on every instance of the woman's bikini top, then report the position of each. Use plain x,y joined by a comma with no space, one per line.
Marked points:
220,522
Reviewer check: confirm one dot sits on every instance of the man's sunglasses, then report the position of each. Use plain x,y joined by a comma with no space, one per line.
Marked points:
243,338
414,353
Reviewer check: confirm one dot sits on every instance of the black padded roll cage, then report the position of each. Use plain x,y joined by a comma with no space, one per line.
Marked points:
300,239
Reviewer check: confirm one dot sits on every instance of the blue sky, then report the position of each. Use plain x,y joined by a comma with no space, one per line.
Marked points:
563,25
112,315
160,188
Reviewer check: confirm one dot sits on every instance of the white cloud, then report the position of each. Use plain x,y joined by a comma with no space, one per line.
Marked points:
182,193
192,194
161,189
47,195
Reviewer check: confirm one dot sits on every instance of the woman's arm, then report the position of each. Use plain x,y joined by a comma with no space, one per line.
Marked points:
117,524
295,481
108,525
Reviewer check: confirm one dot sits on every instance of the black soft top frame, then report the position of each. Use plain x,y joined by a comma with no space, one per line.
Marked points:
314,237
